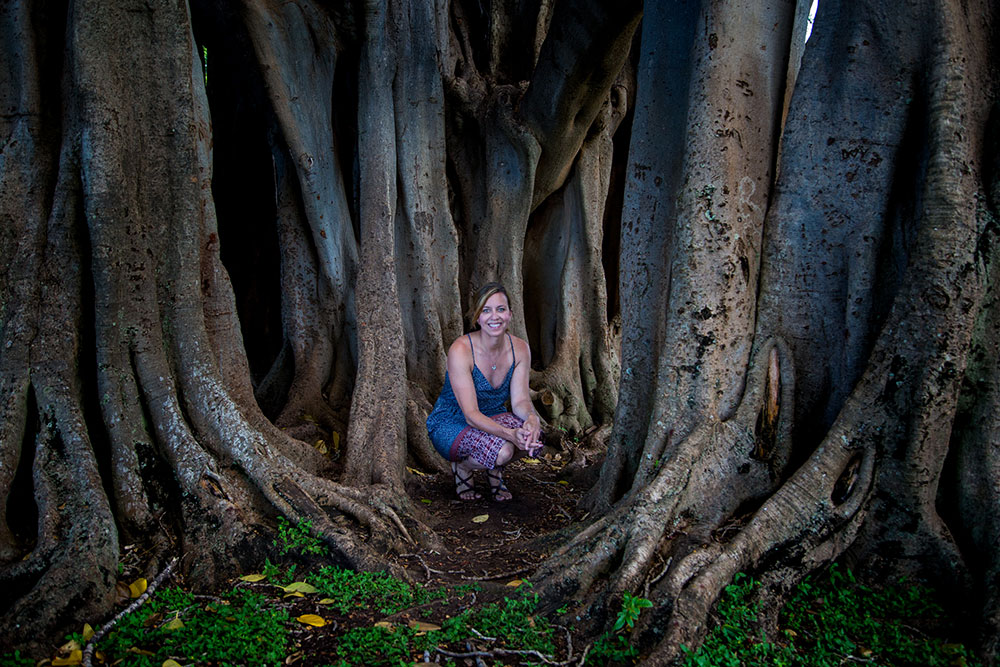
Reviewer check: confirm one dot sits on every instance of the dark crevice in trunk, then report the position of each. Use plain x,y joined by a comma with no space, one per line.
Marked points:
22,512
243,184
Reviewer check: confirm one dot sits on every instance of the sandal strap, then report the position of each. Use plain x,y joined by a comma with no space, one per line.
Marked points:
464,485
498,487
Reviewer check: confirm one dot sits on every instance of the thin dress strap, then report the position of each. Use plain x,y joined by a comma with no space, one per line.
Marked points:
473,347
512,357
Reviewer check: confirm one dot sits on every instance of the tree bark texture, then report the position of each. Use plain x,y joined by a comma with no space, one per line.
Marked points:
761,276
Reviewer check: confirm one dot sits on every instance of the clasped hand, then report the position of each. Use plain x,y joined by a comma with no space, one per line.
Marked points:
529,440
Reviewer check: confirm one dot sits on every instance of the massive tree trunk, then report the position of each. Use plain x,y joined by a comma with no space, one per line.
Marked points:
874,255
237,229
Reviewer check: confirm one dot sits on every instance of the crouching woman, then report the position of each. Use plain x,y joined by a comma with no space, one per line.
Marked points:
470,424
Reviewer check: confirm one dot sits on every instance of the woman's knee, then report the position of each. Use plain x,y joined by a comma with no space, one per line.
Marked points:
505,454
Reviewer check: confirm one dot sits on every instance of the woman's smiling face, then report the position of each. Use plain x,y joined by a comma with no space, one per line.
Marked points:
495,316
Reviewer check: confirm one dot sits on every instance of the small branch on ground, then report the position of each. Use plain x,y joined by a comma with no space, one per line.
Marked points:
502,575
499,652
88,650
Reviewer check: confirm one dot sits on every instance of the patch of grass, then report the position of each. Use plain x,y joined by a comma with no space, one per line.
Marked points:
614,648
373,590
298,538
830,618
513,621
240,628
15,660
511,624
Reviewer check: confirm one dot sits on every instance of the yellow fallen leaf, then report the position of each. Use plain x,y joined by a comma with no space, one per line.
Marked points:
70,646
137,587
320,446
175,624
294,594
563,482
481,518
515,583
74,658
253,578
300,587
425,501
312,619
385,624
326,601
533,462
423,627
336,439
170,663
416,472
88,632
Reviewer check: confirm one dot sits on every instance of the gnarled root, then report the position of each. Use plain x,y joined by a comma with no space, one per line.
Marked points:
686,497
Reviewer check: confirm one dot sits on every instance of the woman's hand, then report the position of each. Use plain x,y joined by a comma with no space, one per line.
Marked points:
529,435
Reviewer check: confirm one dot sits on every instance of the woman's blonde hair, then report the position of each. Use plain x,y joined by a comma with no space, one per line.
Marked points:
482,296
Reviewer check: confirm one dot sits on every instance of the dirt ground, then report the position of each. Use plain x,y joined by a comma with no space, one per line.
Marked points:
508,545
505,544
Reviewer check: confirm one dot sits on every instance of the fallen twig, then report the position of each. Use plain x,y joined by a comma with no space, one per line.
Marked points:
502,575
482,636
498,652
427,570
569,642
88,650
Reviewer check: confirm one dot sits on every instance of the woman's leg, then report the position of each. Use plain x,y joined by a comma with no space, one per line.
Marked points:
498,489
478,450
464,487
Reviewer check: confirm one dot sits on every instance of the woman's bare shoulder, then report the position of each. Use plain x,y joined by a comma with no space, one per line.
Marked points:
521,348
460,348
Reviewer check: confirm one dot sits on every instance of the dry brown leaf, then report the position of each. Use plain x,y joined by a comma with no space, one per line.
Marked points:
515,583
385,624
122,591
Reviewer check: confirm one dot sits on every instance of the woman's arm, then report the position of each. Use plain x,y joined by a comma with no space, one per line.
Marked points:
529,435
460,374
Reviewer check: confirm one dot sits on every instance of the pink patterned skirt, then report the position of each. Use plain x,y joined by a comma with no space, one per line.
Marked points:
480,445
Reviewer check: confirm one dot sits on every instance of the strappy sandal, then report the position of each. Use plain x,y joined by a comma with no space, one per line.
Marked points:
463,485
498,489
